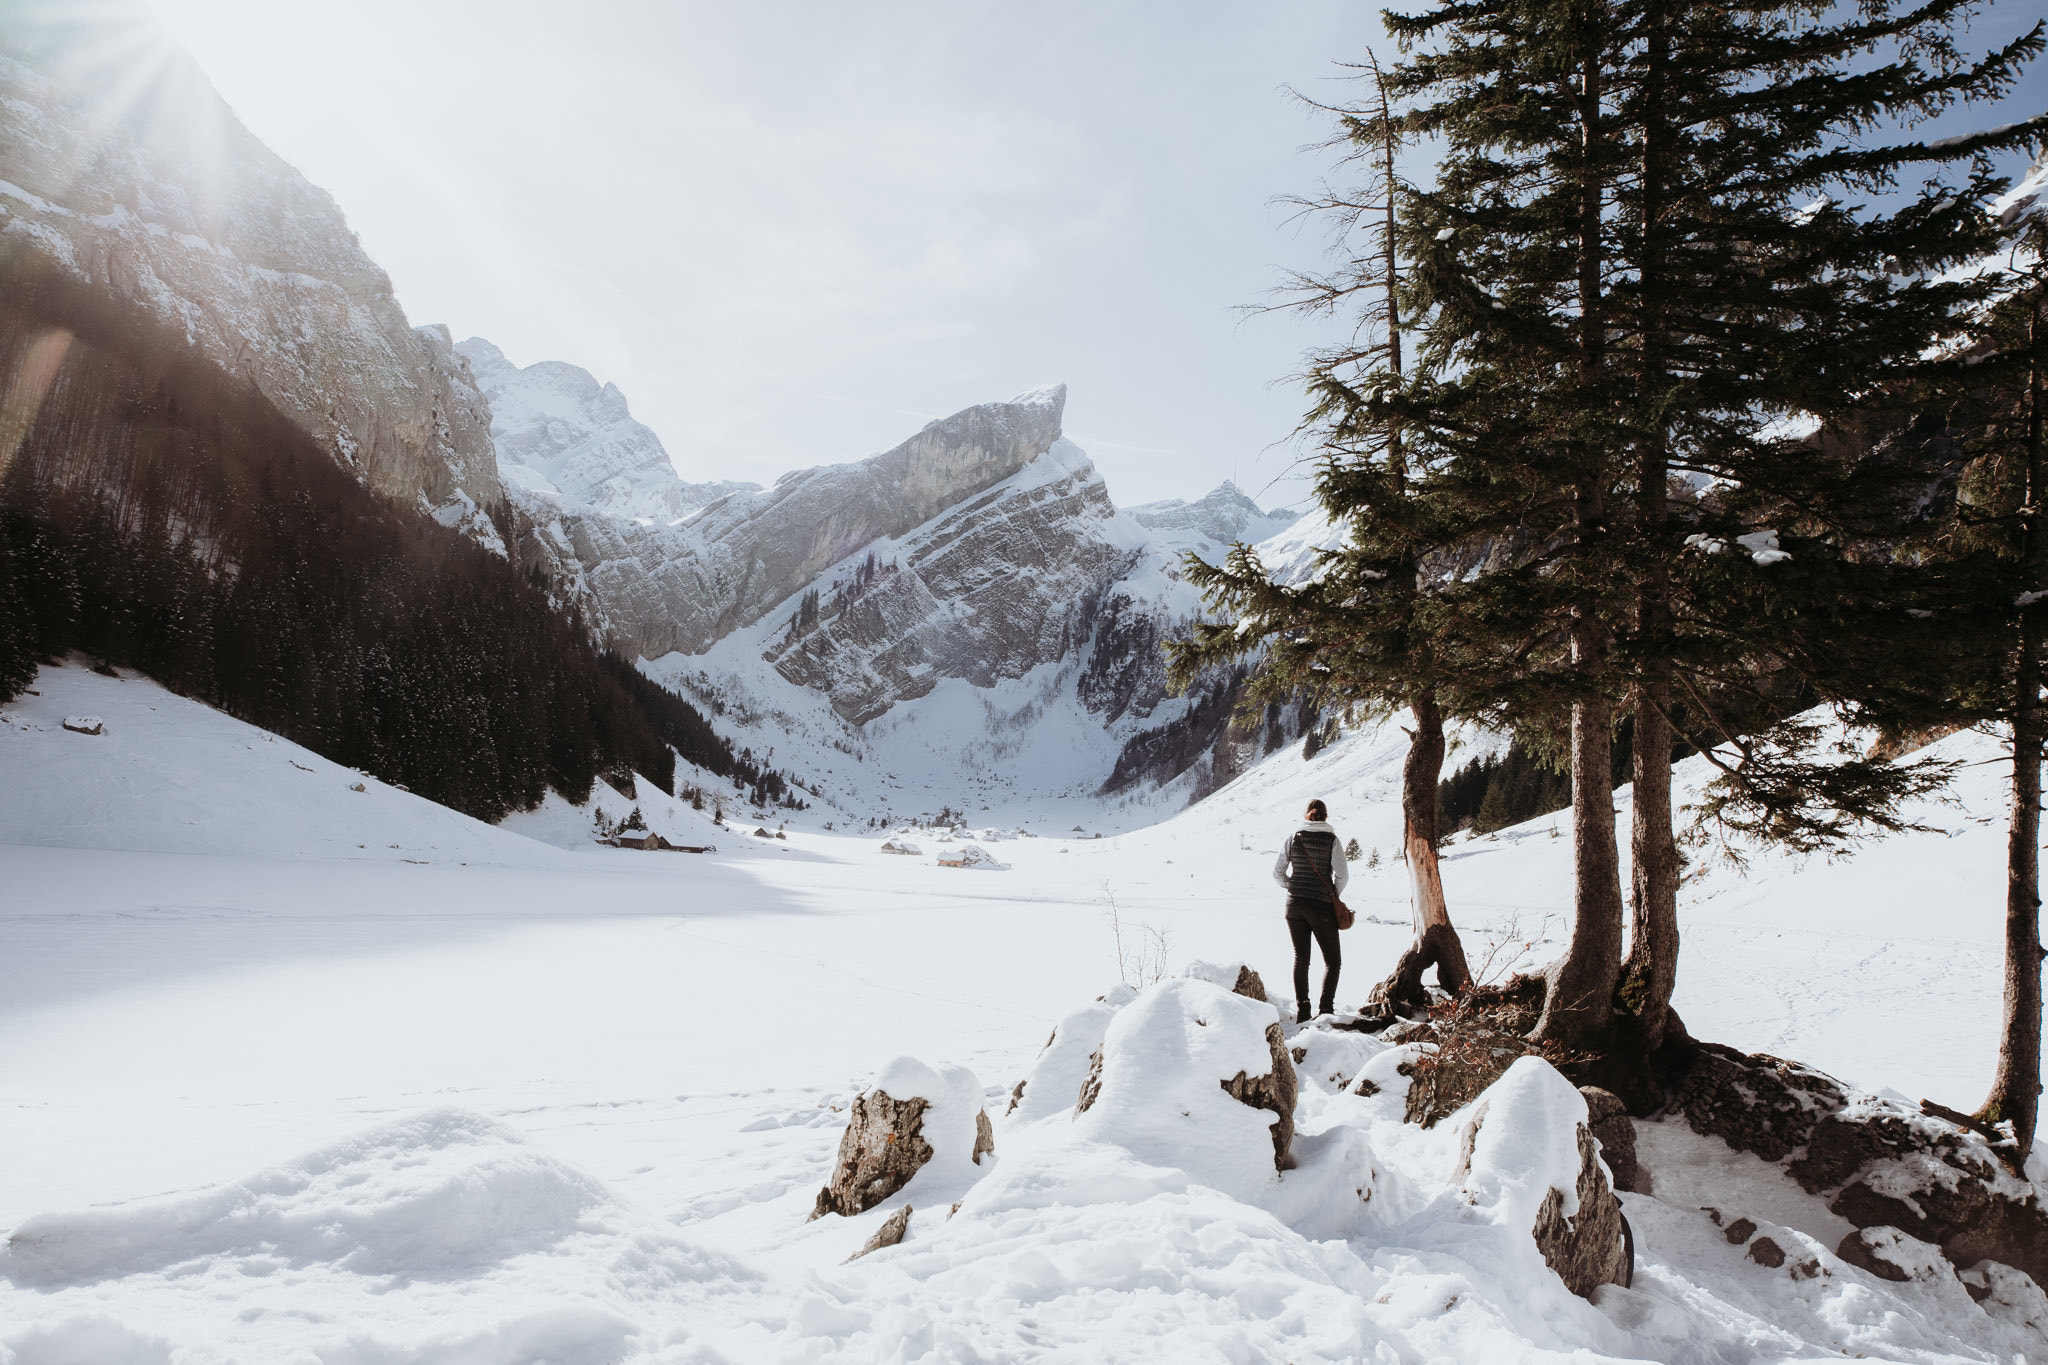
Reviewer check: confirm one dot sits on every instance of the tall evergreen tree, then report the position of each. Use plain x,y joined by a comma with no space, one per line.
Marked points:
1751,289
1310,633
1990,568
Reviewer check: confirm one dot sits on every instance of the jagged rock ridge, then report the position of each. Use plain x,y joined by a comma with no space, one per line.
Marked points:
658,589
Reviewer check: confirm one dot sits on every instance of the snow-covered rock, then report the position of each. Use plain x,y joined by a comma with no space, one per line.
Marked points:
912,1118
1530,1163
558,431
1211,524
1192,1075
146,186
970,855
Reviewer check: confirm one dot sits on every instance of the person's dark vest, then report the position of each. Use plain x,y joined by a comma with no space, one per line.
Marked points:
1309,852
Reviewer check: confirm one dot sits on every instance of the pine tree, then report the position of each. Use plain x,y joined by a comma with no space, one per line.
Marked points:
1751,289
1316,644
1986,586
1621,282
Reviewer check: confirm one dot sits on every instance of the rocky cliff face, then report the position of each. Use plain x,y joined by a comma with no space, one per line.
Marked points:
988,590
684,587
560,433
156,193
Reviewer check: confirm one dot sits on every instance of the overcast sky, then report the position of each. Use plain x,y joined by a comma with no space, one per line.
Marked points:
793,232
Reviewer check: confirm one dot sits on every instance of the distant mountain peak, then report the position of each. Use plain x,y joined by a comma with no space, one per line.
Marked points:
560,433
1220,517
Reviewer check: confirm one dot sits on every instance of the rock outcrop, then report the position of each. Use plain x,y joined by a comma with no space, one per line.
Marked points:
1878,1162
1275,1090
910,1117
1591,1247
1615,1131
158,195
1883,1251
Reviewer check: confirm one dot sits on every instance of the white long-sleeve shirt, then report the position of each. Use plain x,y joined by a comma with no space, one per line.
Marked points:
1339,873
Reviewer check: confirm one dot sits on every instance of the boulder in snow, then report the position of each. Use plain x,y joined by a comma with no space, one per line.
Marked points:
1890,1254
1616,1134
1167,1061
889,1234
1528,1159
85,725
911,1116
1071,1054
1237,977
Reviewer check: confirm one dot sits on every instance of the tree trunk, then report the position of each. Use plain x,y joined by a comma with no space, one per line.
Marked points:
1579,1003
2016,1090
1436,941
1652,968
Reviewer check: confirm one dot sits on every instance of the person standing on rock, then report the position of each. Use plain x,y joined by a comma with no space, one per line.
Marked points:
1311,870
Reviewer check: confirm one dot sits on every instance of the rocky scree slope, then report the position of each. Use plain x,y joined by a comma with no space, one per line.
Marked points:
153,191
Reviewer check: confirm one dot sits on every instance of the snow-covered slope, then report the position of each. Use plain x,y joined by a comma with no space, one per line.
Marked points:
170,775
267,1106
558,431
120,165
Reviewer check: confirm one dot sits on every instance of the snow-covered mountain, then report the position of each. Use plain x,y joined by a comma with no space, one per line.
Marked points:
558,432
1211,524
155,193
969,609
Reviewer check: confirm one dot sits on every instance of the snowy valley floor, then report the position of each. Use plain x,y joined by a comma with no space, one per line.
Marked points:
291,1072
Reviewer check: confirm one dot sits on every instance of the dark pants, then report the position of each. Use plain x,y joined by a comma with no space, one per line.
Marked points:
1318,919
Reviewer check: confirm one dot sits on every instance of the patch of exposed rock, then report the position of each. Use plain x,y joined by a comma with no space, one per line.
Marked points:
889,1234
1590,1248
888,1139
1275,1091
882,1147
1615,1131
1878,1162
1458,1066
